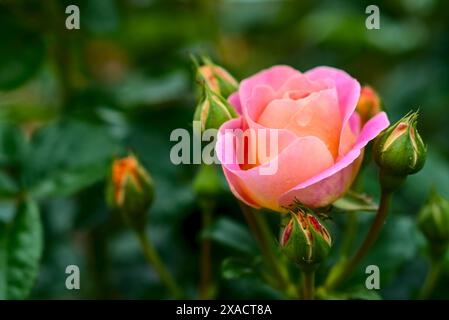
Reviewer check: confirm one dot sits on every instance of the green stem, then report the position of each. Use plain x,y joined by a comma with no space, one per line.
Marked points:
205,289
155,261
370,238
98,261
349,234
431,278
308,285
263,235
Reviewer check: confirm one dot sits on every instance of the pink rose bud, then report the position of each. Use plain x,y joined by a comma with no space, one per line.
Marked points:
320,137
369,104
217,79
130,190
305,240
399,151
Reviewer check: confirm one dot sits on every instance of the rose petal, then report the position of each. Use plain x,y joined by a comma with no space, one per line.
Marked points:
328,190
301,160
347,140
319,116
371,129
300,86
255,105
316,115
348,90
273,77
355,123
261,96
278,113
227,155
234,100
349,134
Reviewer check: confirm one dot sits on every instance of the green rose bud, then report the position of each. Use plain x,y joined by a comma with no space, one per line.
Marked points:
433,220
207,184
217,79
305,240
130,190
213,110
399,151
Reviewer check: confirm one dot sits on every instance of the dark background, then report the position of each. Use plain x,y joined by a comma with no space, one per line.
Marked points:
124,81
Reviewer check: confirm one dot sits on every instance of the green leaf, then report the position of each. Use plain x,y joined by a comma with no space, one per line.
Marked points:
101,16
12,149
354,293
138,89
353,201
235,268
12,144
396,249
7,186
232,235
67,157
20,252
7,211
397,244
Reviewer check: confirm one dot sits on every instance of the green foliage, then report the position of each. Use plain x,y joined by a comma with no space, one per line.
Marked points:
8,187
71,100
21,53
12,145
231,234
353,293
237,268
67,157
353,201
21,245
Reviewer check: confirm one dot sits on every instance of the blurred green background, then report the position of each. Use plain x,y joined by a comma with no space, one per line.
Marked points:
71,100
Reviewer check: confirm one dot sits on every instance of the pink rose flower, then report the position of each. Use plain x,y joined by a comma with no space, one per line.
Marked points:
320,136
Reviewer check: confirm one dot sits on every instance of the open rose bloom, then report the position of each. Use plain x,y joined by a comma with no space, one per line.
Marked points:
319,137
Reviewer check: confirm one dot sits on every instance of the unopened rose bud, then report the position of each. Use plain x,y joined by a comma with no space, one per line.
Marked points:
433,220
217,79
399,150
369,104
130,190
213,111
305,240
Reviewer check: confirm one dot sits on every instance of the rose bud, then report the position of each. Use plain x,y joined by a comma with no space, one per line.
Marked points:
433,220
305,240
369,104
399,151
130,190
217,79
213,110
207,184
